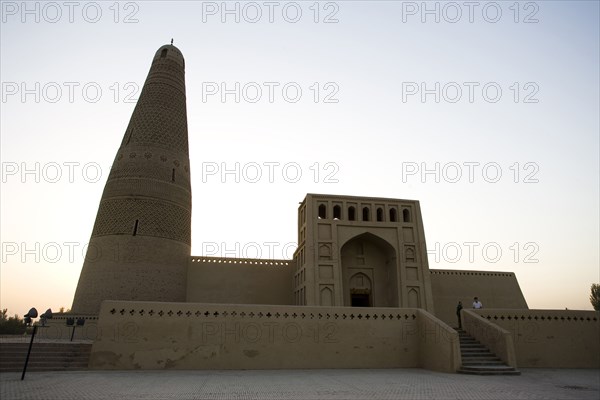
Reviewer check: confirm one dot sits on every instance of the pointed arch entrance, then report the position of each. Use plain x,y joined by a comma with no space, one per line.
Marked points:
361,290
369,272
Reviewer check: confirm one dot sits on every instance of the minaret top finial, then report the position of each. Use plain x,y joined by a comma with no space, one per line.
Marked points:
171,41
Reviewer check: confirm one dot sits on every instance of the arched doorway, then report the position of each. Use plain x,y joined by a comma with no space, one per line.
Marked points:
361,290
369,272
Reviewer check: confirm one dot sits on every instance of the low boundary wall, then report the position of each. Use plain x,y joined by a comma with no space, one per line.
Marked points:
150,335
550,338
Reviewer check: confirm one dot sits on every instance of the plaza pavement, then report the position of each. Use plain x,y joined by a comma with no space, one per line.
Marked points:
300,384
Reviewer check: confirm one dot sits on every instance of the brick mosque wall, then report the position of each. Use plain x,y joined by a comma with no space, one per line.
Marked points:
240,281
551,338
494,289
151,335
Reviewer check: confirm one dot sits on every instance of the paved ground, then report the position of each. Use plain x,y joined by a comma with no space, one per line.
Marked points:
300,384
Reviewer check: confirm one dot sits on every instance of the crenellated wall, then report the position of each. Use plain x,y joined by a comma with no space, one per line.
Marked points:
495,290
550,338
239,281
150,335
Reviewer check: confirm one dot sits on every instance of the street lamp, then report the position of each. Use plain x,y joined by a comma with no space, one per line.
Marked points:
29,320
71,322
31,314
46,316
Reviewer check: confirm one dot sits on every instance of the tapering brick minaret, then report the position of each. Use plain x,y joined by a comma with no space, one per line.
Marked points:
140,244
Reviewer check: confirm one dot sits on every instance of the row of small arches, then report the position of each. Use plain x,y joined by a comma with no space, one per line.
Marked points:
366,214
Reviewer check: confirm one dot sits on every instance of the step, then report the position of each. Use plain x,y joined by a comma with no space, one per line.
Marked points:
488,370
476,351
481,359
472,345
477,359
483,362
45,356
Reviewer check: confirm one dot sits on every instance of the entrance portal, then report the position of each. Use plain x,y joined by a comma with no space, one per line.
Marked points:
369,272
360,299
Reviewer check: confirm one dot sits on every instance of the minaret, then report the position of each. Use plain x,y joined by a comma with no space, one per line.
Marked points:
140,245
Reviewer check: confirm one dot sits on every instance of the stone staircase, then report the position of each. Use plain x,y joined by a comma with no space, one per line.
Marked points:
479,360
65,356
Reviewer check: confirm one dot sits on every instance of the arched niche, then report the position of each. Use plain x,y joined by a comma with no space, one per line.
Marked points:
369,258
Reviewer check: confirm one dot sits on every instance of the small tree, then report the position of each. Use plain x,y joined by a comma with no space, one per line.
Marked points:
595,296
4,315
11,325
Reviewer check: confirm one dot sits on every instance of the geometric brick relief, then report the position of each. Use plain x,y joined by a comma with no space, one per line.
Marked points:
531,316
159,118
212,312
169,71
149,171
148,189
144,217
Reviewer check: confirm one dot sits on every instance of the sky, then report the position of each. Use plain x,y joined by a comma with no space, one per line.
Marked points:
485,112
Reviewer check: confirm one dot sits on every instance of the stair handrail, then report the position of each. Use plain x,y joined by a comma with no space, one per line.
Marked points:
495,338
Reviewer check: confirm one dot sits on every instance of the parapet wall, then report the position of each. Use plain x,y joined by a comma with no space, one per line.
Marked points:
550,338
149,335
494,289
239,281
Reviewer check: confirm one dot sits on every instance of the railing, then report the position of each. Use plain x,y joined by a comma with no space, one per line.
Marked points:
495,338
440,347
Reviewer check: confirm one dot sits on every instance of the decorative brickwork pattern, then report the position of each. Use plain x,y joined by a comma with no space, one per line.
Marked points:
156,218
147,197
529,317
159,118
394,315
150,171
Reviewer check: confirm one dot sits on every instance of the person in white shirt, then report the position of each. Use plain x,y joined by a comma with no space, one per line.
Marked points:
477,304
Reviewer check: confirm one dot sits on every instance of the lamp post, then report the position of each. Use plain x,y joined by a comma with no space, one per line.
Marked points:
28,320
71,322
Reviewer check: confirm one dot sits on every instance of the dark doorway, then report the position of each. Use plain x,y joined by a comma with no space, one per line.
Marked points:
360,300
